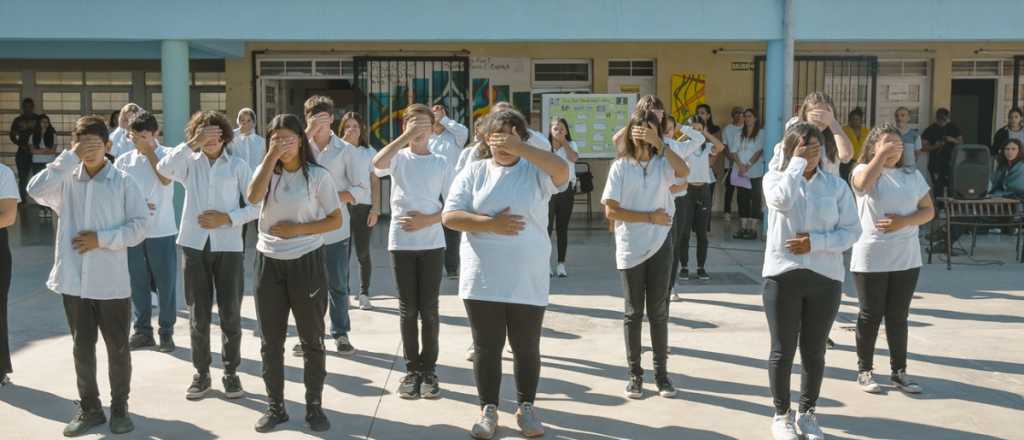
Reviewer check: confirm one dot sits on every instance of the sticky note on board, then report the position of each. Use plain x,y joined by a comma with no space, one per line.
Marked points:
598,137
600,126
581,128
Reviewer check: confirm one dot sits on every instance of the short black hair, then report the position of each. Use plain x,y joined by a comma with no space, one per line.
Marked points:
91,125
144,121
857,111
28,101
942,112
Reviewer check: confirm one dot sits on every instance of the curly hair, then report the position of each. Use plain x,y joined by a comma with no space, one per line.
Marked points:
495,123
209,118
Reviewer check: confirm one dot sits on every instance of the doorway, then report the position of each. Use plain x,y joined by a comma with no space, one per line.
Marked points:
972,106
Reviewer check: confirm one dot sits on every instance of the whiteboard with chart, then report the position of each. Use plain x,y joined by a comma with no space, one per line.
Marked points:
593,119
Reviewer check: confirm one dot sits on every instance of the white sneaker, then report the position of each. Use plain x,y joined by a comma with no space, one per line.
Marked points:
471,353
727,217
560,270
867,383
808,426
903,382
676,297
485,428
364,302
529,424
783,427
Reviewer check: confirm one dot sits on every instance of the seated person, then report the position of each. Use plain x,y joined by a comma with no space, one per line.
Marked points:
1008,178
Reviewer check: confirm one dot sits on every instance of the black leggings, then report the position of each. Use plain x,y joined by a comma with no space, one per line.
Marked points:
800,306
418,277
559,213
361,240
5,287
490,322
23,161
749,200
452,239
696,215
647,284
729,190
884,295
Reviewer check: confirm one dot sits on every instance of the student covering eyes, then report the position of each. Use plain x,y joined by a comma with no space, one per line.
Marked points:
365,189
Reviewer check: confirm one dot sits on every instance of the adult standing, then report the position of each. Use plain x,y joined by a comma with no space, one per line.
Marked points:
939,140
22,130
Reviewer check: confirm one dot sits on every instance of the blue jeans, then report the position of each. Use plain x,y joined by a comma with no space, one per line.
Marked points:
156,260
336,260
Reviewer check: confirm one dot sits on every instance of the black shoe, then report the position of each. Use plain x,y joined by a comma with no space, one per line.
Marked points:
410,386
275,415
4,380
454,275
120,423
139,341
232,386
635,387
297,350
316,420
430,388
702,274
830,344
740,235
684,274
200,386
86,417
166,344
665,388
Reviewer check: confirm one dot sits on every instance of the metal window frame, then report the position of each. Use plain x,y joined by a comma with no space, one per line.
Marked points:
872,65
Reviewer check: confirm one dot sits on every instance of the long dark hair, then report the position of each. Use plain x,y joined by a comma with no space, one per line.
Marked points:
638,118
293,124
752,134
818,98
1001,162
710,124
800,131
867,153
363,136
568,134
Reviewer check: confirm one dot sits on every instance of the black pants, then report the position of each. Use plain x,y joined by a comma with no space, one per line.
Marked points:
490,322
647,284
418,277
884,295
729,191
676,237
5,286
800,306
299,285
559,213
23,161
112,318
749,200
361,242
211,276
452,239
696,216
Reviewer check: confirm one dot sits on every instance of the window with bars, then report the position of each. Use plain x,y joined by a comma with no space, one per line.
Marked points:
58,78
216,101
641,68
561,71
337,68
10,78
108,78
208,79
108,101
62,101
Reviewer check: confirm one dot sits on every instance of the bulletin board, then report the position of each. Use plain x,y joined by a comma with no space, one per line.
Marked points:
593,119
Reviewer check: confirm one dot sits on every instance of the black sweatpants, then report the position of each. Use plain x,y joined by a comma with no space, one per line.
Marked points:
490,322
418,277
800,306
452,239
676,238
86,319
696,216
749,200
884,295
5,286
361,243
729,191
559,214
647,284
23,161
214,276
299,285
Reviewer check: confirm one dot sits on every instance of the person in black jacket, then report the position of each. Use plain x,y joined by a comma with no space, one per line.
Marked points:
43,141
23,128
1014,129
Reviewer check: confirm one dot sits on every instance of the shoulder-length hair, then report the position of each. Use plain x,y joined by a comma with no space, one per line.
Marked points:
752,134
207,118
293,124
1001,162
568,134
495,123
710,125
814,99
630,149
363,140
800,131
874,137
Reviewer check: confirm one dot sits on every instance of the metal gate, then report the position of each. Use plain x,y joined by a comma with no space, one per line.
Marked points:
386,85
1017,61
851,81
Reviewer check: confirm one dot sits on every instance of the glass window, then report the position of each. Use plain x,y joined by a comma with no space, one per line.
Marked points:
153,79
10,101
10,78
64,122
108,78
58,78
57,101
209,79
109,101
216,101
156,102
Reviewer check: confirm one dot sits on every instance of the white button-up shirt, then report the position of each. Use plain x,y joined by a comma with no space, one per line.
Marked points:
360,166
119,142
822,207
335,157
220,186
459,131
110,204
249,147
158,195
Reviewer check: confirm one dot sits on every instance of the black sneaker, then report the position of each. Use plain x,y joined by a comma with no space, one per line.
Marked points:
429,387
635,387
344,346
120,423
702,274
316,420
232,386
684,274
410,386
166,344
740,235
275,415
139,341
665,388
453,275
86,417
297,350
200,386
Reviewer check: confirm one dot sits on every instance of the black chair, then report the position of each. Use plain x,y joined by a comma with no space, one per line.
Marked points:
580,196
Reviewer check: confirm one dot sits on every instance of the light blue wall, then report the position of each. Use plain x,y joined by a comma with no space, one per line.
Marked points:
110,50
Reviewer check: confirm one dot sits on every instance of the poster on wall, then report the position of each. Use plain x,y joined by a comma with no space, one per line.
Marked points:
687,94
495,79
593,119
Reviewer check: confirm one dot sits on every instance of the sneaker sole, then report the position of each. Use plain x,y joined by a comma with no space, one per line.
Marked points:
321,428
533,434
166,350
906,390
234,395
271,427
667,394
482,435
347,352
431,396
634,395
197,396
408,396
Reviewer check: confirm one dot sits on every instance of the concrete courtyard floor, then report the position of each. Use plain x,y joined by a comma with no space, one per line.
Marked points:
965,350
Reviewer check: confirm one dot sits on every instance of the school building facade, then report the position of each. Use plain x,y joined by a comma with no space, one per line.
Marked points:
378,56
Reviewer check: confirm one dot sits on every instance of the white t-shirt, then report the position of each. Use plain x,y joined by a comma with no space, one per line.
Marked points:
248,147
360,166
418,182
897,191
291,198
119,142
731,136
8,184
747,148
161,220
335,157
502,268
699,163
565,156
637,190
680,151
466,157
445,144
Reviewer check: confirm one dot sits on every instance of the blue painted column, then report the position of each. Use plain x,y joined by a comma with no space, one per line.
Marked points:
176,82
774,85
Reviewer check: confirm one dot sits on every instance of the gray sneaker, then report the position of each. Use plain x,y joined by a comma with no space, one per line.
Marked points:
867,383
783,427
485,428
529,424
471,353
808,426
902,381
344,346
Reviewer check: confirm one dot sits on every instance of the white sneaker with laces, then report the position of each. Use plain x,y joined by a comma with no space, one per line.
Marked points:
364,302
529,424
560,270
867,383
808,426
783,427
485,428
